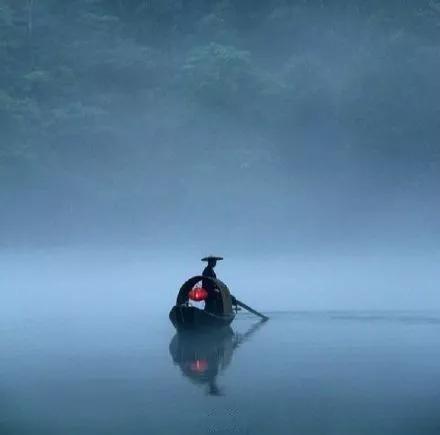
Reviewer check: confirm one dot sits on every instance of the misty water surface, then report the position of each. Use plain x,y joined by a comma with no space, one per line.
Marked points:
87,348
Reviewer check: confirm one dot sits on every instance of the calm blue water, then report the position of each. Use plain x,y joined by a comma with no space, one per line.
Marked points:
118,371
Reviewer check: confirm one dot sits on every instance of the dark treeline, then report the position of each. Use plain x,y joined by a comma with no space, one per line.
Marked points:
144,120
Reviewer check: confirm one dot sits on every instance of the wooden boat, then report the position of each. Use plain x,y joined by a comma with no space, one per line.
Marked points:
186,317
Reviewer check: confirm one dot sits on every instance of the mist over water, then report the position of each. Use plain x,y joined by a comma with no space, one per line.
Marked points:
60,281
87,347
298,139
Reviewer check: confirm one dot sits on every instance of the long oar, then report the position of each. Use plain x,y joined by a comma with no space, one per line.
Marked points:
251,310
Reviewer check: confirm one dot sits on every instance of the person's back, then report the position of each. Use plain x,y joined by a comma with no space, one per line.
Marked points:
208,271
213,302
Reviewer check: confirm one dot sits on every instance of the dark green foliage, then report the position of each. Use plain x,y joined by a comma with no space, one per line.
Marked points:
131,101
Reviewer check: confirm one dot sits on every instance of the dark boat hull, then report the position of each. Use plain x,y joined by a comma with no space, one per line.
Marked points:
186,318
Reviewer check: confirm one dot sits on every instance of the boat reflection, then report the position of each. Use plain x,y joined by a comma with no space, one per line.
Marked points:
201,357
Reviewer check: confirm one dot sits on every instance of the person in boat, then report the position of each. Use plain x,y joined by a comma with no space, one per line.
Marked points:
213,302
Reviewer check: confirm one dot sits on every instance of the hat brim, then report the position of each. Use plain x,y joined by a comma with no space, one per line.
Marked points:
212,258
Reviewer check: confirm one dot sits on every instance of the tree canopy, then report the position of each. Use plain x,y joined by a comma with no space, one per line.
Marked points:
131,107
